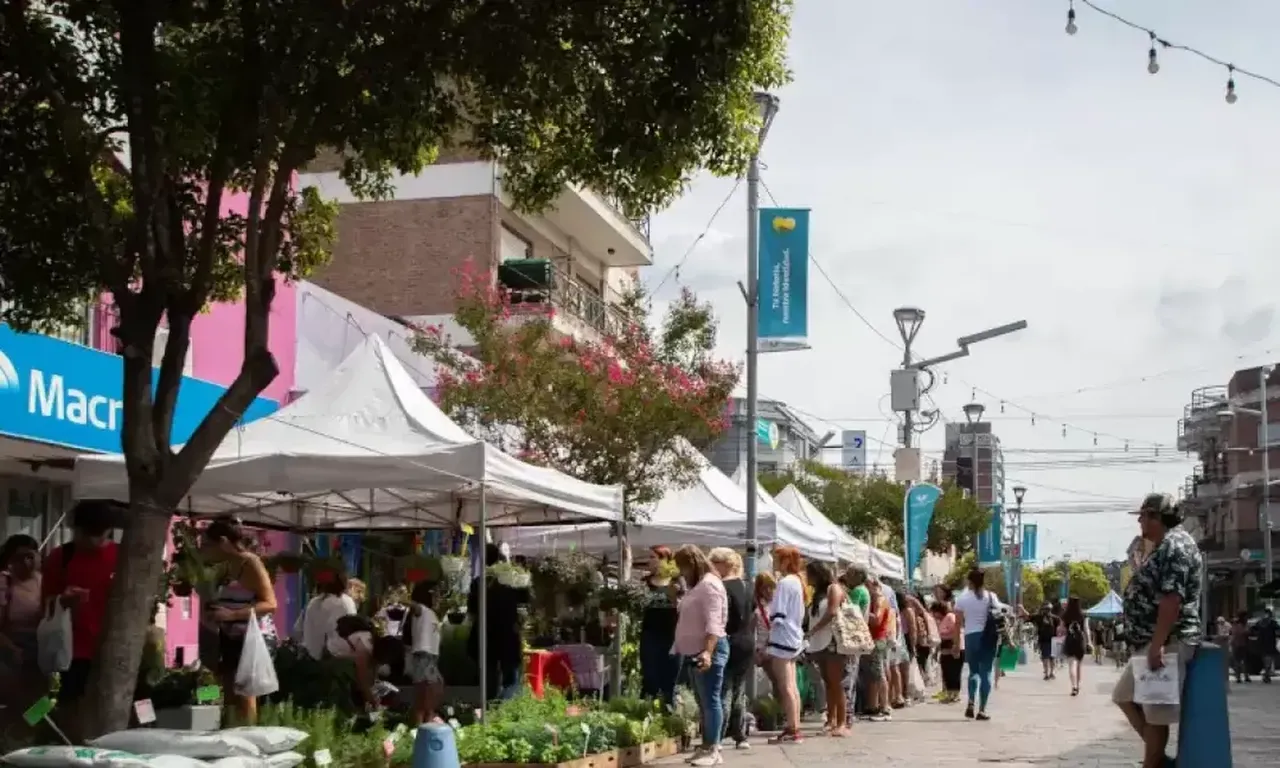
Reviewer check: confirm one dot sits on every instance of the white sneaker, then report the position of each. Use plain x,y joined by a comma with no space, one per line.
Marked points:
742,745
709,758
698,753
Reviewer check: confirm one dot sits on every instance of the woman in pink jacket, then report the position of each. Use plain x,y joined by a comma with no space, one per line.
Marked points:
700,638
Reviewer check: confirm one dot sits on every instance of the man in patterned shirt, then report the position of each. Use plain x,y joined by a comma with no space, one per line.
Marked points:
1162,619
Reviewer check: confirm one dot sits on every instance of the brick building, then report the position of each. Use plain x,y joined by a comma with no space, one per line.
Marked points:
987,483
398,256
1223,497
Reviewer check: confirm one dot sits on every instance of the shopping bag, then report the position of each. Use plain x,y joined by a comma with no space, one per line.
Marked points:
53,639
915,682
1156,686
256,673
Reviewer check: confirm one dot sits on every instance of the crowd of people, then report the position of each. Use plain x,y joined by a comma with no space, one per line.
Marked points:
868,646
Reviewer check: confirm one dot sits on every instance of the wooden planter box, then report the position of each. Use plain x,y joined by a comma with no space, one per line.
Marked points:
603,760
647,753
665,748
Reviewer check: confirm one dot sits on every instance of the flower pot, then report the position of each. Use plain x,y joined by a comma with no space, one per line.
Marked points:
204,717
457,617
182,589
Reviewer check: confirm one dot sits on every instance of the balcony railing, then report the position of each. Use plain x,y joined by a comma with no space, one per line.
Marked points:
538,282
641,224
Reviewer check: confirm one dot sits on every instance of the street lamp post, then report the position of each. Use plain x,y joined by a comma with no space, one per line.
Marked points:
767,103
909,320
1264,440
1018,493
973,415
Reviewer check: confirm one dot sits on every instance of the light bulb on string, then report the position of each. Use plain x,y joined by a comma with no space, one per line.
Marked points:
1064,430
1126,446
1157,450
1153,65
1095,438
1033,419
1071,19
1231,85
1002,406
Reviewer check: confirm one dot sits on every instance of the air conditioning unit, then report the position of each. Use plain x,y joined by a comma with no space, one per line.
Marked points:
157,352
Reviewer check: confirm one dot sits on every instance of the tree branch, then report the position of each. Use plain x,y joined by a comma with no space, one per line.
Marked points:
169,381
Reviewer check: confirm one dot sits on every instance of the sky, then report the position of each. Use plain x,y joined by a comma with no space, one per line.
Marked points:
974,160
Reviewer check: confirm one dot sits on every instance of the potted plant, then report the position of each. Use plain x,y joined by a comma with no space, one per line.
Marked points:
325,570
188,699
418,568
509,574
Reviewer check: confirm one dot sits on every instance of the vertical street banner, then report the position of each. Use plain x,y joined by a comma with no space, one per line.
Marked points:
1030,535
991,541
853,450
783,262
918,504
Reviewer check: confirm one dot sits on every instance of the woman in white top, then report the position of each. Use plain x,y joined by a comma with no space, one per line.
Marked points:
974,608
786,637
828,602
422,652
327,629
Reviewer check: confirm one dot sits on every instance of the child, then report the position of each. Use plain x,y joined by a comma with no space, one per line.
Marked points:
422,652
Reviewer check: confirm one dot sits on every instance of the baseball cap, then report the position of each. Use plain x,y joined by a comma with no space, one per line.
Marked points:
1161,505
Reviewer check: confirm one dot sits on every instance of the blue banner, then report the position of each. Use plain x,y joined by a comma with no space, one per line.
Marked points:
56,392
1064,588
1030,537
918,504
767,433
784,273
991,541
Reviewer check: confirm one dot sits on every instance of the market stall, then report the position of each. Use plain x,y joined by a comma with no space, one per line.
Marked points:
847,547
369,450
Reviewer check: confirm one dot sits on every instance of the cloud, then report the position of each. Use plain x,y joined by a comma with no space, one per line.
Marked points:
975,161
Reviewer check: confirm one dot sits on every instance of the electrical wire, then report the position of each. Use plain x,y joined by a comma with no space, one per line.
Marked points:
1153,65
701,236
976,389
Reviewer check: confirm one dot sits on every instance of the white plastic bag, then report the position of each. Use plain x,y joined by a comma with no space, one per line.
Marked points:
256,675
271,739
915,682
1156,686
165,741
53,639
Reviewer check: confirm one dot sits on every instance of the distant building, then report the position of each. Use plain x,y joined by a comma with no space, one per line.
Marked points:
987,483
796,442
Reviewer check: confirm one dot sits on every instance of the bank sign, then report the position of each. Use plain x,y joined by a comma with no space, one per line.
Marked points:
53,391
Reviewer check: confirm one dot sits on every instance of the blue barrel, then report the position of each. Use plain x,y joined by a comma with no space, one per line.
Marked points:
435,747
1204,729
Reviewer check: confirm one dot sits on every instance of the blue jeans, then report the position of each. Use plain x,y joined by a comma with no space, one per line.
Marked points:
709,681
981,660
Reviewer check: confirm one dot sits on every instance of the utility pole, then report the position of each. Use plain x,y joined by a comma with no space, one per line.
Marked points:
768,105
1019,555
1264,438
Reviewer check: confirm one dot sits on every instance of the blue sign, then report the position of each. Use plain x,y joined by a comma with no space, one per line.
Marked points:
918,504
991,541
784,273
53,391
1030,536
767,433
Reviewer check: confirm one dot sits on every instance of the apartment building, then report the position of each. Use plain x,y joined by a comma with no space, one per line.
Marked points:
398,257
1224,498
980,469
784,439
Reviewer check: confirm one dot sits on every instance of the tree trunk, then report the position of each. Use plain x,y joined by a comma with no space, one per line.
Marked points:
107,706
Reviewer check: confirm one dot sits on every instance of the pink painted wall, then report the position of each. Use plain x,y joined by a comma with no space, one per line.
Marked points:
217,350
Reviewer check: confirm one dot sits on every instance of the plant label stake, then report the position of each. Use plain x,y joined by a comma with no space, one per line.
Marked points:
586,741
208,694
321,757
145,711
40,711
555,734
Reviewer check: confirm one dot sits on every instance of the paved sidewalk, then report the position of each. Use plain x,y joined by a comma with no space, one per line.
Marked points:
1036,724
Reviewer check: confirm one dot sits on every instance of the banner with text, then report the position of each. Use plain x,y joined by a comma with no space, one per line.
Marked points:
1030,536
991,541
784,278
918,504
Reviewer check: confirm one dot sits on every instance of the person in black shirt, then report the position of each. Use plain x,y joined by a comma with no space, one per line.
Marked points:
1266,630
504,652
1046,625
740,629
659,669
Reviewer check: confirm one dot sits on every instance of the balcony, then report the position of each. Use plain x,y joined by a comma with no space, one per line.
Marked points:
579,311
601,227
91,328
1201,421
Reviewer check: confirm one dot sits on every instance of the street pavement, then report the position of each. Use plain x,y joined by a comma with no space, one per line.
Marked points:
1036,724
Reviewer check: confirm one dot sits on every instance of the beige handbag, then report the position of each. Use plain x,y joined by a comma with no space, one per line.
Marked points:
853,636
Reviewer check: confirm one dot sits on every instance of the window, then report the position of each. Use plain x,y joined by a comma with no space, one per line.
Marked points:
512,245
184,606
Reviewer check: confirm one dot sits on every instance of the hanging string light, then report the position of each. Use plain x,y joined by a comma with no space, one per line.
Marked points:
1157,42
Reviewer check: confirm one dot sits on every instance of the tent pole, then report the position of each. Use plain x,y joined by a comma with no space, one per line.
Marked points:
482,621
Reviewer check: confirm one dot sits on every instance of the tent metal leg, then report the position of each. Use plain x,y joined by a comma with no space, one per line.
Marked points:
482,620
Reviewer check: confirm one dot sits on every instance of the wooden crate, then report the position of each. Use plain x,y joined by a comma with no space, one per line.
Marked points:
664,748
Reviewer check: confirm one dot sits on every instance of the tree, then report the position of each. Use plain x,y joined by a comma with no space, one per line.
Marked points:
204,100
1033,591
869,505
628,410
1088,582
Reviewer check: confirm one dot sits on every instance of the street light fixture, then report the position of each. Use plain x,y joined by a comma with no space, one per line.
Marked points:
909,320
973,413
1016,555
1019,492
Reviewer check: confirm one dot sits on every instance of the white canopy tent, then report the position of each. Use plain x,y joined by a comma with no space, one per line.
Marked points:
368,450
847,546
710,513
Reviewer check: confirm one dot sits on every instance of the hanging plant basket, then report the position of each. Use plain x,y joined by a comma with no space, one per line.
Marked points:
457,618
182,588
325,571
510,575
285,562
419,568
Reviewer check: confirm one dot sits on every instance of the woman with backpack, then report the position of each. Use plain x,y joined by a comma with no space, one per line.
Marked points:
1075,646
977,612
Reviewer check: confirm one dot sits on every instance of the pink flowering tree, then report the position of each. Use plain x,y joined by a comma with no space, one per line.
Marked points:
610,411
